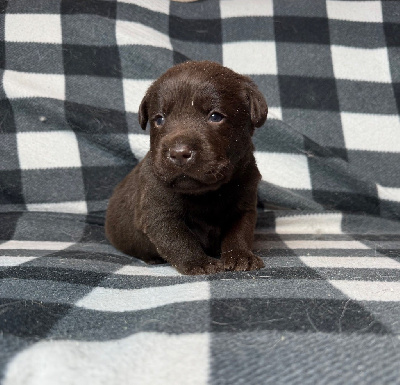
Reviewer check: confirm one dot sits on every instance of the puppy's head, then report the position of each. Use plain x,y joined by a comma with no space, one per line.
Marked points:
202,116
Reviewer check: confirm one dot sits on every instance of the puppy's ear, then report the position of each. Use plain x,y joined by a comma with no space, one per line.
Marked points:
143,112
258,105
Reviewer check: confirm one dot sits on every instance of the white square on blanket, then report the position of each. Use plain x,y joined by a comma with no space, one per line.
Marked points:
78,207
134,91
365,64
251,57
140,144
370,132
242,8
285,170
140,358
28,85
131,33
53,149
362,11
33,28
160,6
388,193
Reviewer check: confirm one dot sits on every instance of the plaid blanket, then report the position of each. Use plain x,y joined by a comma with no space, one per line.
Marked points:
74,72
325,310
326,307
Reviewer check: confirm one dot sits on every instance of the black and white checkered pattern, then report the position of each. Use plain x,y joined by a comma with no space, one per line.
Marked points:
73,74
326,307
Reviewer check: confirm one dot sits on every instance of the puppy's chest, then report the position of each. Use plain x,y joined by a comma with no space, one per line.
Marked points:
209,214
207,225
213,209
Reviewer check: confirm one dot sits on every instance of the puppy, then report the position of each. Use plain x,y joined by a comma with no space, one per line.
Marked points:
192,200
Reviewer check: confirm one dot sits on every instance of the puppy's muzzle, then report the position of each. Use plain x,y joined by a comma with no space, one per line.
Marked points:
181,154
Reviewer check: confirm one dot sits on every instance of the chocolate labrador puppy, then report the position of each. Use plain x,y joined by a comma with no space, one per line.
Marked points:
192,200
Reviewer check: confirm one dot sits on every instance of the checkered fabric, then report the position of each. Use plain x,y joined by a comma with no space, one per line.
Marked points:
324,310
73,74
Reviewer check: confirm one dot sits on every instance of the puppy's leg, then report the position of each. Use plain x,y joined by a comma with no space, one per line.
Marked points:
236,247
139,246
131,241
176,244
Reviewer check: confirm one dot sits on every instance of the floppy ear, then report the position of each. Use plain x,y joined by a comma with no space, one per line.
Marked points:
143,113
258,105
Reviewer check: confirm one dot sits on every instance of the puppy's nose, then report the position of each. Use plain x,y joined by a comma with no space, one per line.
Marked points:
180,154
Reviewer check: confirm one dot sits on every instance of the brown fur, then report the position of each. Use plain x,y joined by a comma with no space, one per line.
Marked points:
199,216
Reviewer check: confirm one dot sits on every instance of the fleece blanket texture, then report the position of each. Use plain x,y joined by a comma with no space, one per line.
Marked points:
324,310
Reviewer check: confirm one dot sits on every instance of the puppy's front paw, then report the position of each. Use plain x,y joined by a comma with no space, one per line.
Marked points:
204,266
241,260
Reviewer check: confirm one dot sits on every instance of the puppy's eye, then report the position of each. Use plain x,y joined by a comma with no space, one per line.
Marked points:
216,117
159,121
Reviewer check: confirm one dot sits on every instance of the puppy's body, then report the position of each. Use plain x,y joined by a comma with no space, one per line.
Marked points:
193,197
